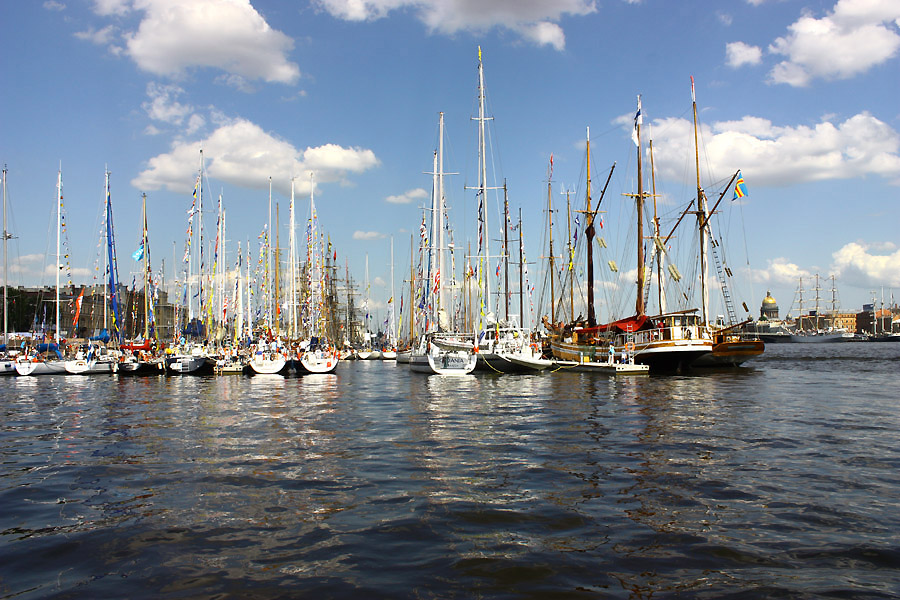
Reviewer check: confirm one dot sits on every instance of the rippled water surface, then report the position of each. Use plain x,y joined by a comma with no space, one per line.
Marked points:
777,480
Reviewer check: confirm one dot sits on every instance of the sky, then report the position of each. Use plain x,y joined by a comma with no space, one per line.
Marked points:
798,96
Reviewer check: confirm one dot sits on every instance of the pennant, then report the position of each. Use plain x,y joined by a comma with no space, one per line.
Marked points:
139,253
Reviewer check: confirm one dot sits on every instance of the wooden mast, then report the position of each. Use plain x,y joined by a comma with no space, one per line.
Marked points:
639,302
701,218
589,238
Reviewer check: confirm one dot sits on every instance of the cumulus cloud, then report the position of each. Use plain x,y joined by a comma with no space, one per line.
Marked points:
368,235
240,153
739,54
856,36
780,271
408,197
163,106
534,20
868,265
175,36
775,155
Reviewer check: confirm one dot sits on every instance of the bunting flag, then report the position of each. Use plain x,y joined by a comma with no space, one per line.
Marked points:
740,188
138,254
78,302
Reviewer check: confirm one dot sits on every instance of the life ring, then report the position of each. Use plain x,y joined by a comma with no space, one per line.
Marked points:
629,346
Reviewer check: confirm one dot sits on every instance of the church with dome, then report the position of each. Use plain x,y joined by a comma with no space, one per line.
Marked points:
769,309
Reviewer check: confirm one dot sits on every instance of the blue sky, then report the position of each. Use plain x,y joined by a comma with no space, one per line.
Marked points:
800,96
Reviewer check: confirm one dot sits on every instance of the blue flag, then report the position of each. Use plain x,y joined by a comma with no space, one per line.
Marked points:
139,253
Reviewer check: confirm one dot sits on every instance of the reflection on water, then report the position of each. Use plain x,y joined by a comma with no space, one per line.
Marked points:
775,480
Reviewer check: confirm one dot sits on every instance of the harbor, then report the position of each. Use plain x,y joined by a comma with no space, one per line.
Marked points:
778,479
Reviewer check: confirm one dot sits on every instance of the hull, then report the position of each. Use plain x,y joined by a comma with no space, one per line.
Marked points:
316,363
389,355
90,367
403,357
443,363
56,367
517,361
7,367
531,363
604,368
190,365
142,367
268,364
731,353
818,338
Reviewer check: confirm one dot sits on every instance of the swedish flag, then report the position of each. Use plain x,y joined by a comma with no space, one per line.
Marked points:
740,188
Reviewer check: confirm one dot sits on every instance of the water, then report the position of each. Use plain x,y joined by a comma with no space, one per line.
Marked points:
777,480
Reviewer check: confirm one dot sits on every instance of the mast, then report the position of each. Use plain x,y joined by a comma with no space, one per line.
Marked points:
145,252
658,244
59,200
506,251
5,266
639,302
521,273
268,299
550,229
200,246
589,237
441,261
482,194
292,260
393,312
701,218
571,259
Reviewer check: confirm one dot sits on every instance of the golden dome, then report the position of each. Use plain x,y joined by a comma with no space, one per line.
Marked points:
769,299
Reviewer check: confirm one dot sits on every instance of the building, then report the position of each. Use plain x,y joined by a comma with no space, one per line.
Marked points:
768,311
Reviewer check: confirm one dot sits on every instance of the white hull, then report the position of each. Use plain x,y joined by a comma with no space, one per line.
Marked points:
81,366
818,338
443,363
7,367
317,363
268,364
54,367
389,355
403,357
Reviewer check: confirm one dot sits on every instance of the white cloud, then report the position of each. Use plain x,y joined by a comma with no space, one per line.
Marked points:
53,5
868,265
368,235
106,8
100,37
780,272
854,37
408,197
241,153
534,20
739,54
774,155
163,105
226,34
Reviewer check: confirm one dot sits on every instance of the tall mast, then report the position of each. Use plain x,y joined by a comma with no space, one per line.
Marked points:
268,299
200,244
5,265
571,259
59,200
639,302
702,218
589,237
145,252
441,262
482,192
292,261
505,257
521,273
661,294
550,229
393,303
